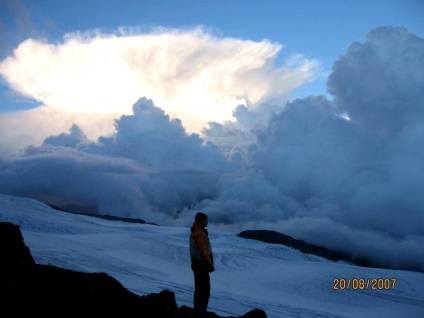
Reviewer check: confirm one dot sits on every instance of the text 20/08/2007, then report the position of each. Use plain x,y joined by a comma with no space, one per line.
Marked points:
364,283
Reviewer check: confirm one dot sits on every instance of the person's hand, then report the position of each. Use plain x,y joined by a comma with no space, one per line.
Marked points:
211,268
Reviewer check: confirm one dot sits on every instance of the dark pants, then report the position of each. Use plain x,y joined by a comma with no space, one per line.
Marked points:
202,289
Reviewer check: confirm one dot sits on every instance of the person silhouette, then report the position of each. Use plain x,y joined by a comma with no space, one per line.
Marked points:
201,263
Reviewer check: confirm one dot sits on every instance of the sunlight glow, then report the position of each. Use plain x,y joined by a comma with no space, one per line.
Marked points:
191,75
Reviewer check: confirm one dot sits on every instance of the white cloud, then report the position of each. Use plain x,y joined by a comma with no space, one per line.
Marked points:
19,130
379,82
191,74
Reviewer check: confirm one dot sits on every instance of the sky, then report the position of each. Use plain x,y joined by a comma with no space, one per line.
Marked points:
248,274
304,117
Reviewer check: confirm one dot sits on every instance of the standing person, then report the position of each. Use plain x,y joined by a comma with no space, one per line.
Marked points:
201,263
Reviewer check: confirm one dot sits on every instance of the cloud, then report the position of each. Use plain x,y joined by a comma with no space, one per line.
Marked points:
314,172
191,74
150,168
379,82
19,130
345,173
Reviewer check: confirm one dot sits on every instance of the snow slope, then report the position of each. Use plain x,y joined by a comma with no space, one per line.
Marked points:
249,274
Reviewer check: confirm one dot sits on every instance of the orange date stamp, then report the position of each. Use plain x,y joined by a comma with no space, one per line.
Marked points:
364,283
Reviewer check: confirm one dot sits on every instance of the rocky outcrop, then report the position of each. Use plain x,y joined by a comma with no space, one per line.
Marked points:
280,238
30,288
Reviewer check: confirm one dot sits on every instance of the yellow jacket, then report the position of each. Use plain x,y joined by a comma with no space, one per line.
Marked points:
200,246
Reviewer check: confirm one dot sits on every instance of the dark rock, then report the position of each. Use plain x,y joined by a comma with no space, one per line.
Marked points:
255,313
333,255
30,288
187,312
15,254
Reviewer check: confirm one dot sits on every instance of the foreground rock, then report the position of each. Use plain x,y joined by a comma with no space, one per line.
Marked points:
30,288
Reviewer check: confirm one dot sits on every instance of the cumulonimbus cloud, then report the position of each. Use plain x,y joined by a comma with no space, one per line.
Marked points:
191,74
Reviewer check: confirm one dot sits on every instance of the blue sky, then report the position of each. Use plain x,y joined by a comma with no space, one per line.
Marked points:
304,117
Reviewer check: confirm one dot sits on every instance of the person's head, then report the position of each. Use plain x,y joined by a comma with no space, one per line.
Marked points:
201,219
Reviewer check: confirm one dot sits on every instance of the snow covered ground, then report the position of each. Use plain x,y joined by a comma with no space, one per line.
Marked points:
249,274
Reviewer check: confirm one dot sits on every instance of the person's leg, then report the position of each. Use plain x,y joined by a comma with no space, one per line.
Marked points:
201,290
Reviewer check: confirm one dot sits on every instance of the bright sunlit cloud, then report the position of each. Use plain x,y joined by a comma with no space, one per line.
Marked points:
190,74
